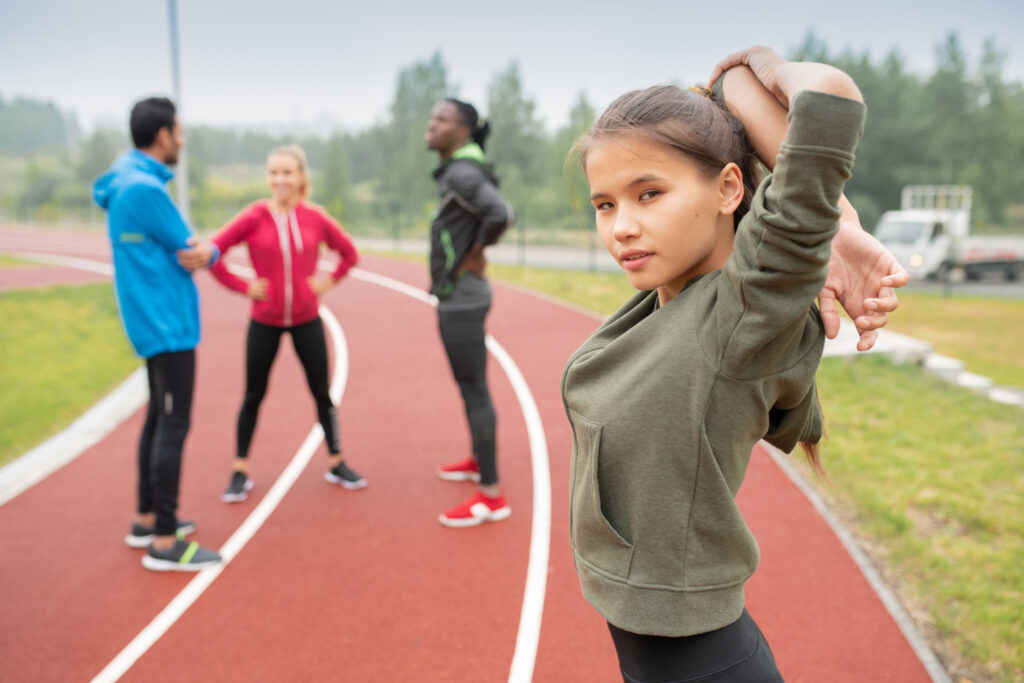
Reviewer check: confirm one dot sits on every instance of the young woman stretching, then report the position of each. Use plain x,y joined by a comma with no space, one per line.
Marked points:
284,235
718,350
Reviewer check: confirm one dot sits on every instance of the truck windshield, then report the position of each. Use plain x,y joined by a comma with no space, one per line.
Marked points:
899,232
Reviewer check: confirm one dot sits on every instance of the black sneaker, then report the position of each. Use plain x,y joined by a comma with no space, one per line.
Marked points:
141,536
341,474
183,556
238,488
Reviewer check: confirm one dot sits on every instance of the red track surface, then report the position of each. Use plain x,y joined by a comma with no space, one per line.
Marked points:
366,585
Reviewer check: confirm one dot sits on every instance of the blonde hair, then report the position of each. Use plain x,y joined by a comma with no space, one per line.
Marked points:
297,153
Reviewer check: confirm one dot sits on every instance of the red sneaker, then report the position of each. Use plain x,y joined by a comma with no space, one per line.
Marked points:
476,509
464,470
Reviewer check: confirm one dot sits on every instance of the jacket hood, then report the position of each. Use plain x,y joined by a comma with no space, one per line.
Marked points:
471,151
126,165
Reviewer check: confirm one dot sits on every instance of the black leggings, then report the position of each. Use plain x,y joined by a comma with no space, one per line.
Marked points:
260,350
168,417
461,319
737,653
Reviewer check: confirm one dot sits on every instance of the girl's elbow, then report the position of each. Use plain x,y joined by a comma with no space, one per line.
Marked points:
836,82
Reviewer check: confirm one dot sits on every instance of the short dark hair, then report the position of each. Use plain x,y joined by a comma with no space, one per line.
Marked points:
148,117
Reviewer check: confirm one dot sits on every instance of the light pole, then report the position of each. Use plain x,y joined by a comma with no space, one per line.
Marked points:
183,203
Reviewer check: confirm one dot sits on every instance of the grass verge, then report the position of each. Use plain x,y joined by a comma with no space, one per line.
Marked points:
8,261
937,501
63,349
984,333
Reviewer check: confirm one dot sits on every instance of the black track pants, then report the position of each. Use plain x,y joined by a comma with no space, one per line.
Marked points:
261,347
168,417
461,320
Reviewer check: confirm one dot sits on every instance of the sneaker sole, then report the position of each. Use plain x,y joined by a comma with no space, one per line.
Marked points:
344,483
157,565
144,541
459,476
238,497
462,522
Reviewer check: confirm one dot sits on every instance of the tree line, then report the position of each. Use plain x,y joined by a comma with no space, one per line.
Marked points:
962,124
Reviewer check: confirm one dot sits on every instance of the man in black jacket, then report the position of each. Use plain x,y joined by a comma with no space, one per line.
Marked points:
471,215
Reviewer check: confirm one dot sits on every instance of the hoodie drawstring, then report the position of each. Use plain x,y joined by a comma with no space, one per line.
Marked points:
286,256
293,221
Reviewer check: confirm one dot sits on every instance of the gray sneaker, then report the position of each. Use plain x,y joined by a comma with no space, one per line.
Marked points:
341,474
183,556
141,536
238,488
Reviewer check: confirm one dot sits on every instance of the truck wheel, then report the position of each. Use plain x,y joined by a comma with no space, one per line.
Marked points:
1014,271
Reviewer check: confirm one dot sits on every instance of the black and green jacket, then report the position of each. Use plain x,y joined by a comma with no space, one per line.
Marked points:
471,210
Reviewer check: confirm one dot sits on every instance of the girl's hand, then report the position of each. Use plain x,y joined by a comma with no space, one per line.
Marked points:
257,289
319,284
863,276
763,61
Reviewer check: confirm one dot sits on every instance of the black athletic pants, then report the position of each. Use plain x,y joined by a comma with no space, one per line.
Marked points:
737,653
171,380
261,347
461,320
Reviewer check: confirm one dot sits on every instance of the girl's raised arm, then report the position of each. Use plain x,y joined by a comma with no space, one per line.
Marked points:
863,275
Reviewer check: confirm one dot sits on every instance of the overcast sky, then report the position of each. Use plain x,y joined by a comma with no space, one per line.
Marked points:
306,61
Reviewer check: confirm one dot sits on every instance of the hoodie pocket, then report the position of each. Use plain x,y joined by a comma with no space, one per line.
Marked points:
595,541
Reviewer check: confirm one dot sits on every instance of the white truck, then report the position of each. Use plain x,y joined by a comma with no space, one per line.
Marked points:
930,237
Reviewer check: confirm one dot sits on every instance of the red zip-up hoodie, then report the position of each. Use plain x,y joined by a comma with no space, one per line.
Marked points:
283,249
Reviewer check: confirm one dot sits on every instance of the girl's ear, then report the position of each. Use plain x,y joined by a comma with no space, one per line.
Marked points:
730,188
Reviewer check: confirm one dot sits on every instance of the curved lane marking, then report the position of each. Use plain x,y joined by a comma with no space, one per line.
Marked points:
89,429
191,592
528,636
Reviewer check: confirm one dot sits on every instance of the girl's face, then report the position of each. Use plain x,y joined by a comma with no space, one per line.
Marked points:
285,177
662,220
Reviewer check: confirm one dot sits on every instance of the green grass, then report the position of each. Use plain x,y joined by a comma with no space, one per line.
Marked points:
8,261
984,333
63,349
933,476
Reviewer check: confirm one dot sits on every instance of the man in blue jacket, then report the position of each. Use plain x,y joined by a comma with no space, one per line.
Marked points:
154,254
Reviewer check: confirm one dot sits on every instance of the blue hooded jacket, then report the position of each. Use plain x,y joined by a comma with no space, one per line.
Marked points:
158,301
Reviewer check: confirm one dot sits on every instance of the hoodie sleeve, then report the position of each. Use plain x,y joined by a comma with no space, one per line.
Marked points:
151,209
237,230
782,248
494,212
337,240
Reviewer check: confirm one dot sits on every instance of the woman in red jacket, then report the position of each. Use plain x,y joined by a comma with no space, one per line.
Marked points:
284,234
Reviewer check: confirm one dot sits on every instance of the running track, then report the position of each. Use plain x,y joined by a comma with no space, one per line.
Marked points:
366,585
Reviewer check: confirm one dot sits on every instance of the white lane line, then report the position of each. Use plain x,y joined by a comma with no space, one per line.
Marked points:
68,262
95,424
89,429
64,243
528,636
191,592
62,448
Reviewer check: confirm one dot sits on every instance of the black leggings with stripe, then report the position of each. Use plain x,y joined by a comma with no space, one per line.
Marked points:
261,347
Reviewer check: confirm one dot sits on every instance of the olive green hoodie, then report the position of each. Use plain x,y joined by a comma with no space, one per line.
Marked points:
666,403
